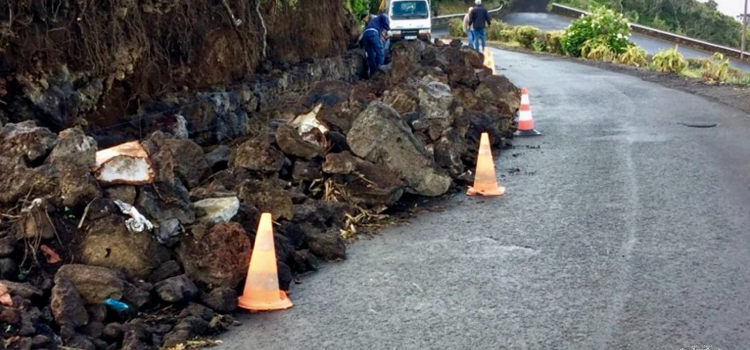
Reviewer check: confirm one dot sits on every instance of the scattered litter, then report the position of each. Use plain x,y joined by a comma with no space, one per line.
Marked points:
52,257
126,164
137,222
116,305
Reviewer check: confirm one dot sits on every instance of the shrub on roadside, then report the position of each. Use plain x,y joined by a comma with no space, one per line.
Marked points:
633,56
553,42
717,69
602,23
669,61
698,63
540,43
598,49
456,28
525,35
495,31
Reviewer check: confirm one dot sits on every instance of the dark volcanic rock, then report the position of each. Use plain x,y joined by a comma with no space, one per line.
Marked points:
95,284
396,148
327,244
257,154
176,289
291,143
268,197
221,299
166,200
365,183
306,170
218,258
26,142
108,243
166,270
67,306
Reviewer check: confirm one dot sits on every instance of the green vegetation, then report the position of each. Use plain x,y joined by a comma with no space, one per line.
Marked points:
598,49
526,35
602,27
669,61
633,56
456,28
692,18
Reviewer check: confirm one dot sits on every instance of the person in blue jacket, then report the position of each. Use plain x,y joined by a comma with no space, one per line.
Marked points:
376,27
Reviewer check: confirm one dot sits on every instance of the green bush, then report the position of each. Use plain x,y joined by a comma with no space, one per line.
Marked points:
495,31
598,49
508,35
669,61
525,35
456,28
553,41
602,23
698,63
717,69
540,44
633,56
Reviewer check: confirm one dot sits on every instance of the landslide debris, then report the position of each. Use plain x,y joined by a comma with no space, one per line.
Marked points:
82,268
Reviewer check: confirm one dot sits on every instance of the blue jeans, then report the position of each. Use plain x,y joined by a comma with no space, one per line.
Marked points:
374,48
480,35
471,35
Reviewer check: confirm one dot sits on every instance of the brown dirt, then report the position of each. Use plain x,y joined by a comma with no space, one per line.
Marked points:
138,50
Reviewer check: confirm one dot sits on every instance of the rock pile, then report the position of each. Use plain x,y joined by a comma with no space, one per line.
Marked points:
158,256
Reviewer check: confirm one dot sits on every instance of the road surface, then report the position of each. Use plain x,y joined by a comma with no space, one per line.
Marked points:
549,22
621,229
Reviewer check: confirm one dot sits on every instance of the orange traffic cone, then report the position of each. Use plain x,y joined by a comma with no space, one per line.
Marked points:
262,285
485,181
489,60
525,119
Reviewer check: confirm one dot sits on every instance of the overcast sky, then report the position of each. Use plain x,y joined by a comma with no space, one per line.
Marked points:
731,7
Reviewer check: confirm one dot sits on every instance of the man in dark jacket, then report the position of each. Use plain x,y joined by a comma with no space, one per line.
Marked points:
375,28
480,20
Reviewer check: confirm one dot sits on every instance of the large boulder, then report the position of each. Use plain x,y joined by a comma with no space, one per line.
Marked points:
364,182
257,154
26,142
218,258
108,243
67,306
177,158
18,181
438,109
95,284
333,97
74,149
395,147
406,60
498,92
178,289
291,143
268,197
449,152
166,200
402,99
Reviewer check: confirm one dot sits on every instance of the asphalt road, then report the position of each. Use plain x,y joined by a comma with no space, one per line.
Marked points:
621,229
549,22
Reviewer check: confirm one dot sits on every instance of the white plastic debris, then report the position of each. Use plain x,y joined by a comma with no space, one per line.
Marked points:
126,164
217,210
306,122
137,222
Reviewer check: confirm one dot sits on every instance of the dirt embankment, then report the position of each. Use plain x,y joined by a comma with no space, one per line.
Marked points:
66,63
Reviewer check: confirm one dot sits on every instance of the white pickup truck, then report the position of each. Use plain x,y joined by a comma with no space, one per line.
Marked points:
410,19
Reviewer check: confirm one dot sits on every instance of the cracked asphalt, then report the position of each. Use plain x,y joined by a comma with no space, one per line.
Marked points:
623,229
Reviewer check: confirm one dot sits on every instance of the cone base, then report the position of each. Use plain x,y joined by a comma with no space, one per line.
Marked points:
283,303
527,133
486,193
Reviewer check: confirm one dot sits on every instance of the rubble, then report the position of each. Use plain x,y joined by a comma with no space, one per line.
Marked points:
143,245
